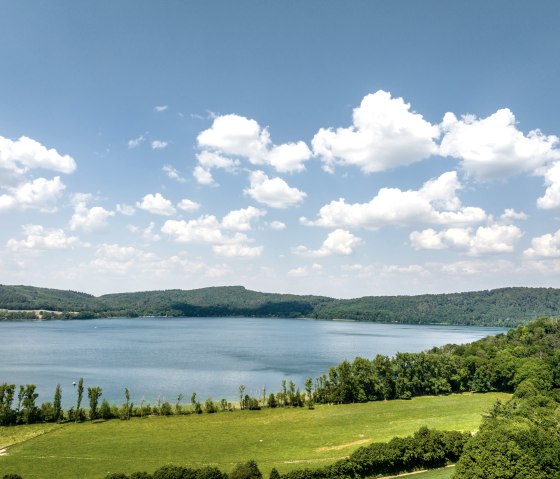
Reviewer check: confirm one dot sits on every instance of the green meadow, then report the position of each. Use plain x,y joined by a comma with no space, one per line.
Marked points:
282,438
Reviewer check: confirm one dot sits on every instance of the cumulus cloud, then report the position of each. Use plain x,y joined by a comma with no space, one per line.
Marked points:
414,269
435,203
160,108
303,271
511,215
156,204
495,238
238,250
40,194
117,259
551,198
241,219
207,161
88,219
125,209
545,246
493,147
235,135
158,144
188,205
19,156
277,225
273,192
208,230
202,176
384,134
339,241
40,238
173,173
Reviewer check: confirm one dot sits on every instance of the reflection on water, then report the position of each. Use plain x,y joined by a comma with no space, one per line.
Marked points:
162,357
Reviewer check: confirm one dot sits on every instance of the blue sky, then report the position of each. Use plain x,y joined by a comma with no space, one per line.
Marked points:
325,147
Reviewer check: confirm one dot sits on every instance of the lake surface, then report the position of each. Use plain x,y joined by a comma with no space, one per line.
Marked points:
162,357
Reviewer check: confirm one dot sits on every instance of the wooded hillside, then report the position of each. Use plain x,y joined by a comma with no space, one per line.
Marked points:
499,307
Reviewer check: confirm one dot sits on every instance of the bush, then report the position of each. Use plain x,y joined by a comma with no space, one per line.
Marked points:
249,470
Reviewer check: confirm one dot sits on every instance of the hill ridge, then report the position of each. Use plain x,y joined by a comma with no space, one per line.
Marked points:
508,306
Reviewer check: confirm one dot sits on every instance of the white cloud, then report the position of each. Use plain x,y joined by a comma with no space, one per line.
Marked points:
277,225
243,137
188,205
149,235
413,269
160,108
156,204
474,267
207,161
206,229
339,242
384,134
511,215
435,203
493,147
289,157
136,142
495,238
240,220
118,260
238,250
273,192
41,194
204,177
19,156
39,237
551,198
545,246
88,219
125,209
299,272
158,144
173,173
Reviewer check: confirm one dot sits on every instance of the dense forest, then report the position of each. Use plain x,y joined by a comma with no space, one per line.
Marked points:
499,307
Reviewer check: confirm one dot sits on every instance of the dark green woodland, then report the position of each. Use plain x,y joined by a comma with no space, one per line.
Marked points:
499,307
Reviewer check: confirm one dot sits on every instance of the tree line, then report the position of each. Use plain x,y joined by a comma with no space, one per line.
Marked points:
518,439
499,307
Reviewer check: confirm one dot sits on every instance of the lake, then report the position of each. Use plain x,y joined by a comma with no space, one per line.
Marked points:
162,357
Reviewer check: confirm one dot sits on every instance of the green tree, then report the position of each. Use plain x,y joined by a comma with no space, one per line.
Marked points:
248,470
94,394
7,414
241,396
57,404
29,412
127,406
79,413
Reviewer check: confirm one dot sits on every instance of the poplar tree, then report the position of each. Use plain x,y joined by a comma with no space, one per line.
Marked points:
57,404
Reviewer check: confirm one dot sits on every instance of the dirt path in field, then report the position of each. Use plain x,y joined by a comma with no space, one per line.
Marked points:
406,474
342,446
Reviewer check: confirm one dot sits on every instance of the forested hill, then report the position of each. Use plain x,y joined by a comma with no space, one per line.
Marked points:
499,307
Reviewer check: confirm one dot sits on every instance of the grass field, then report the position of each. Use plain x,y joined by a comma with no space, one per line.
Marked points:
281,438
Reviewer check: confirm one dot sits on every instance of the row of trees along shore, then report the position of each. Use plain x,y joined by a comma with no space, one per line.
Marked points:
496,363
519,439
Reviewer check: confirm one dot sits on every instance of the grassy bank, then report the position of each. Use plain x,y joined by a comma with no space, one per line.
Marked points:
281,438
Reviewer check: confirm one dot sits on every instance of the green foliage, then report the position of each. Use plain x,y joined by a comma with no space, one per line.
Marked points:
248,470
499,307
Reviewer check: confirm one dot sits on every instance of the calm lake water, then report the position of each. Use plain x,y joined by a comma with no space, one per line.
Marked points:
162,357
